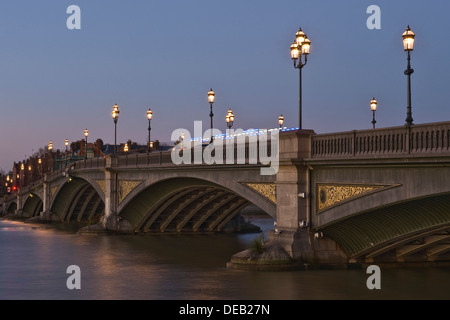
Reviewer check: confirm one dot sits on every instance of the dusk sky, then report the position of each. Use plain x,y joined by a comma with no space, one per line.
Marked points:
166,55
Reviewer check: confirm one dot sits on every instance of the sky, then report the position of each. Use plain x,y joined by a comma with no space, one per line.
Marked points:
166,55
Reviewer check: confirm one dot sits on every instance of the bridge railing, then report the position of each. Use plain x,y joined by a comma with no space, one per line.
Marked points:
144,159
431,139
90,163
242,154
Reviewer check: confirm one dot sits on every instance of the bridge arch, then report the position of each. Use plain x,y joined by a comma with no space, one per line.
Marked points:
78,200
183,204
12,207
408,231
239,180
33,205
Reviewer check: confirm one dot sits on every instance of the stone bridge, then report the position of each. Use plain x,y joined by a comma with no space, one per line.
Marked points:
367,196
149,193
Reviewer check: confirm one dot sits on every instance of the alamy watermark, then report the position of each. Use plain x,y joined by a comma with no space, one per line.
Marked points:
74,20
374,280
254,146
74,280
374,21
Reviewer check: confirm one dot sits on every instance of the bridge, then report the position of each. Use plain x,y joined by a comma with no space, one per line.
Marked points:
366,196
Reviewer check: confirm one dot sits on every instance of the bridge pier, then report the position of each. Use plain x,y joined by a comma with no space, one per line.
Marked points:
20,202
293,194
294,202
46,215
109,220
293,242
293,229
47,198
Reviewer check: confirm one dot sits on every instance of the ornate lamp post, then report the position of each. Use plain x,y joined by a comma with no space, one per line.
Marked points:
125,148
149,117
66,143
281,120
408,45
211,97
229,118
49,162
373,107
115,116
300,48
86,133
40,166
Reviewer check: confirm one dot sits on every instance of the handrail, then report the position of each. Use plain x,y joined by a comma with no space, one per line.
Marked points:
426,139
241,154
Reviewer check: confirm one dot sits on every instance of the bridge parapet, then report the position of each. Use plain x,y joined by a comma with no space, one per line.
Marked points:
432,139
235,154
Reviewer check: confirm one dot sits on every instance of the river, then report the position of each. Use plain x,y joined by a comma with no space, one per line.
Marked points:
34,261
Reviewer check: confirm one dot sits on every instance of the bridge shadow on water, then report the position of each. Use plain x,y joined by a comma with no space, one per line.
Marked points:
181,266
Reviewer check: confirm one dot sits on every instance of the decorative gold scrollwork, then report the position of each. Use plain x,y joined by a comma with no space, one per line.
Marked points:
330,195
53,191
125,187
268,190
101,184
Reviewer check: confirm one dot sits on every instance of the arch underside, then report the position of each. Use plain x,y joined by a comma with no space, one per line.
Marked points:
33,205
12,207
414,231
78,201
183,205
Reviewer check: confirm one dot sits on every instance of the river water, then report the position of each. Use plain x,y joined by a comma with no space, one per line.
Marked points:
34,261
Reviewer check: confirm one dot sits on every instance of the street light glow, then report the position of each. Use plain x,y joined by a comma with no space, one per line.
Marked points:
373,104
306,45
300,37
115,112
408,39
211,96
281,120
294,51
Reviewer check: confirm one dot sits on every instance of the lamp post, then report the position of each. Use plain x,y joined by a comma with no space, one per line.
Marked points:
50,161
86,133
408,45
149,117
125,148
229,118
300,48
66,143
40,166
115,116
281,120
211,97
373,107
22,174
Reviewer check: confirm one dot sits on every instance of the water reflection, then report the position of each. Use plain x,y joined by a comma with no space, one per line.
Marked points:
34,259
